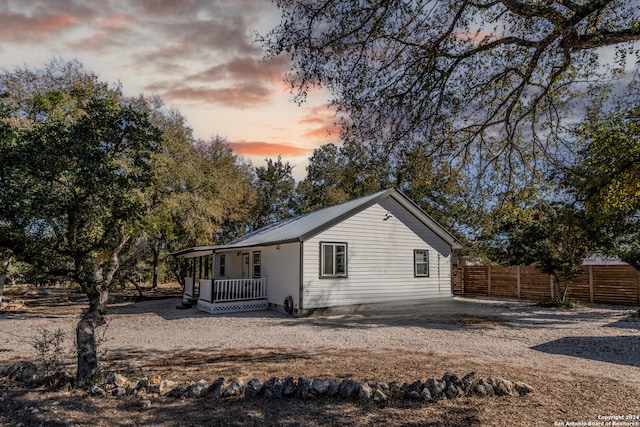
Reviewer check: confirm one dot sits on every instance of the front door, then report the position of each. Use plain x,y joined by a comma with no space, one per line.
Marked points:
245,266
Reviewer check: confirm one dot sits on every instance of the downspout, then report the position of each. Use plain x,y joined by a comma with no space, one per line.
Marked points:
300,279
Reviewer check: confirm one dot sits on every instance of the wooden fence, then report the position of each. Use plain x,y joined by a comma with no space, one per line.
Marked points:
605,284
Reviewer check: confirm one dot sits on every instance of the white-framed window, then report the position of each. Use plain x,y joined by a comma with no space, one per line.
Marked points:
222,265
257,270
333,259
421,263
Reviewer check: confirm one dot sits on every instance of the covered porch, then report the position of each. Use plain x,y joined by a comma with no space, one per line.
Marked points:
223,282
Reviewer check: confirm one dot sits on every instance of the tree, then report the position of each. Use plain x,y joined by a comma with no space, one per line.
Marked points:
483,82
322,185
554,236
275,188
605,177
201,192
73,181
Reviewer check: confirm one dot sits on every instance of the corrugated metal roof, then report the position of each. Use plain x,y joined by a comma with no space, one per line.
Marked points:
303,227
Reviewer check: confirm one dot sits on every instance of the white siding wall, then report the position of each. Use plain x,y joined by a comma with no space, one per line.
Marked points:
281,268
379,260
233,264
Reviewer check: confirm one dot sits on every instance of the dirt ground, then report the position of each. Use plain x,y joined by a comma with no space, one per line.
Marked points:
588,385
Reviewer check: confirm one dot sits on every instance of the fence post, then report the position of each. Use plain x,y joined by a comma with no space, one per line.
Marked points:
489,281
518,278
462,279
591,290
637,282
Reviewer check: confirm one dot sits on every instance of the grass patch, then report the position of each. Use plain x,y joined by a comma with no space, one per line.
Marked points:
554,303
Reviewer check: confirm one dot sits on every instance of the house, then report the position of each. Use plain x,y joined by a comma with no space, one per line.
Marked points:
375,249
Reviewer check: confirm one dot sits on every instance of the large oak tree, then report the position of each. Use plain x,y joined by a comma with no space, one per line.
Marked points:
74,170
486,83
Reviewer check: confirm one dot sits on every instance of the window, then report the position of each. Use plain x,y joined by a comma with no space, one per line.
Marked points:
221,266
333,259
421,263
256,264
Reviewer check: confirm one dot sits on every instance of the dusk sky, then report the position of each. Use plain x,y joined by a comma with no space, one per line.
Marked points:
197,55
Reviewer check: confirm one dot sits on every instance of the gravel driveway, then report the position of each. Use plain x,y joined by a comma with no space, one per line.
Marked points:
594,340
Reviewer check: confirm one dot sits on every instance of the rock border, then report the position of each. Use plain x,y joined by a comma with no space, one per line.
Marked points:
449,386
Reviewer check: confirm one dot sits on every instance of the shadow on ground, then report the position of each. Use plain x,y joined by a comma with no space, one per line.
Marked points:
621,350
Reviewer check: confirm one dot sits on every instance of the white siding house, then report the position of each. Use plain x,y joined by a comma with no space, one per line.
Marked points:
379,248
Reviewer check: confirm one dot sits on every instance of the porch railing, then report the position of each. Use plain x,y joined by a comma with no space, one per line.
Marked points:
226,290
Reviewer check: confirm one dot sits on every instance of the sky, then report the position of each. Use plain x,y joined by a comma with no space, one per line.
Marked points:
199,56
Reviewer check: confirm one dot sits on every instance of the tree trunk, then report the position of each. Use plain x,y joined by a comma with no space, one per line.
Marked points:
156,258
138,288
3,278
6,261
556,283
87,348
97,290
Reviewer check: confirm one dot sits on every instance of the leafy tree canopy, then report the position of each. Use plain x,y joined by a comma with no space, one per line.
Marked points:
605,177
75,166
485,82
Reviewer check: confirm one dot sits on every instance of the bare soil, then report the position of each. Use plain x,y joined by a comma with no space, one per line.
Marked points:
583,364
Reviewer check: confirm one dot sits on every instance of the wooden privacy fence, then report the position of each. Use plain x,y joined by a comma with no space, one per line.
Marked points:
605,284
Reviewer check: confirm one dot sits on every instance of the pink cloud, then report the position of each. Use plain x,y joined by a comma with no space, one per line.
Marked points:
246,68
116,23
246,96
267,149
22,28
323,120
95,42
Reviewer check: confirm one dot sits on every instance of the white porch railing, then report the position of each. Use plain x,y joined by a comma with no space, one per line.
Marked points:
227,290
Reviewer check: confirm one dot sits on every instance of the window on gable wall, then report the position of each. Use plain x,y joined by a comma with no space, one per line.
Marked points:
333,262
421,263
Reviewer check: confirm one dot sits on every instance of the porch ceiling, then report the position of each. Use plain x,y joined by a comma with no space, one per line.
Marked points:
194,252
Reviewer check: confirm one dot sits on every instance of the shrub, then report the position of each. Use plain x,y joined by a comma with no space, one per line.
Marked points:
556,303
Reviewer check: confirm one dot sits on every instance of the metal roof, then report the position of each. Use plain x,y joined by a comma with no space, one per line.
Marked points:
303,227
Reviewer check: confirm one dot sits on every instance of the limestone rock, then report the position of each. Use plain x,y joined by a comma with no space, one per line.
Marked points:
483,388
426,394
288,387
305,391
119,380
215,389
178,391
273,388
453,391
119,392
436,388
197,388
364,391
334,388
379,396
163,387
320,386
253,387
522,389
233,389
468,381
501,387
98,391
347,388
